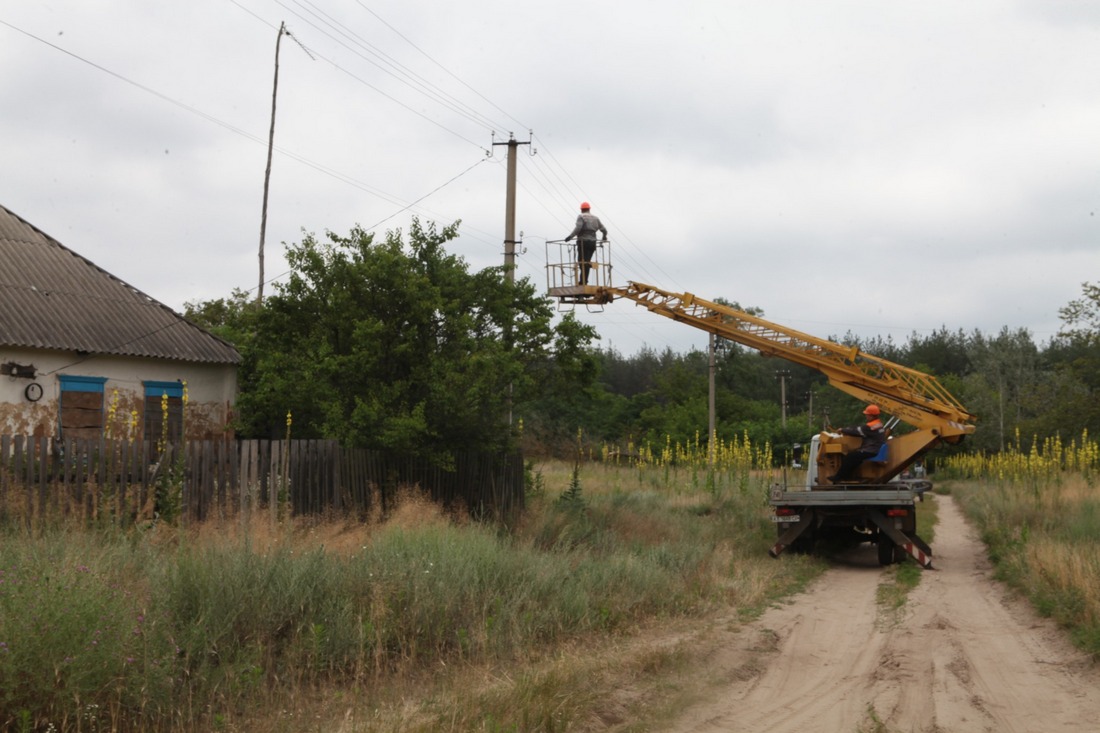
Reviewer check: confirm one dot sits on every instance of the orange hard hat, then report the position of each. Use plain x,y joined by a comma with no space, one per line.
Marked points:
871,410
585,206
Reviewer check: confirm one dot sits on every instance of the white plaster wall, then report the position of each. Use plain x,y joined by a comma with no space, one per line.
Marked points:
211,388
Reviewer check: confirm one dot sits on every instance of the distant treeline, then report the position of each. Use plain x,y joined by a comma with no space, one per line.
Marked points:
1014,385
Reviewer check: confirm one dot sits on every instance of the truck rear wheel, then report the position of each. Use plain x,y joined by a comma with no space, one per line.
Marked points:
804,544
887,551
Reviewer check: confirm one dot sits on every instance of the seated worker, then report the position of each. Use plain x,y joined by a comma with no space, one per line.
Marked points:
873,434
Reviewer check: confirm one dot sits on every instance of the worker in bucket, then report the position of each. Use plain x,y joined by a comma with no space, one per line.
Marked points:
585,232
873,435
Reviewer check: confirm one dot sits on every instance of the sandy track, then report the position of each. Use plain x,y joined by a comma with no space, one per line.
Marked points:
962,657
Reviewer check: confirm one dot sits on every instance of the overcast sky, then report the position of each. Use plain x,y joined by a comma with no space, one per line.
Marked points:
876,167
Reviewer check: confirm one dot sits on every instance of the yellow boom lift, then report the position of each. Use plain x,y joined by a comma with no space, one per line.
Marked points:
882,509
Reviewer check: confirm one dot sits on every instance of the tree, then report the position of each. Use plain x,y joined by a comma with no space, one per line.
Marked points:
1006,377
1075,352
940,353
1082,316
231,319
399,345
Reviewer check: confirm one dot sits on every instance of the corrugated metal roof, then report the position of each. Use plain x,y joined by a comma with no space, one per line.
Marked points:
52,298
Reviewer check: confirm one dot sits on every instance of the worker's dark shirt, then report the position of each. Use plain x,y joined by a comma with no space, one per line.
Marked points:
873,435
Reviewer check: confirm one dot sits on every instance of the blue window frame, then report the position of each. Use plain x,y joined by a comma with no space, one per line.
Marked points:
156,389
158,396
72,383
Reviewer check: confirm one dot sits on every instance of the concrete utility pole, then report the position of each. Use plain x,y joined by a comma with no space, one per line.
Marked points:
710,405
782,375
510,237
510,208
267,172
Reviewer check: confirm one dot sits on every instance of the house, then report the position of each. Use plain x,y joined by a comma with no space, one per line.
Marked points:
84,355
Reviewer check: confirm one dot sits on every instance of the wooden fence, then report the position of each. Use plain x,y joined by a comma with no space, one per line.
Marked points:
202,479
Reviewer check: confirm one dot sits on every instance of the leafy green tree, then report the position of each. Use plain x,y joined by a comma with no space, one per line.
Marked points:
231,319
1075,353
569,396
1081,316
398,345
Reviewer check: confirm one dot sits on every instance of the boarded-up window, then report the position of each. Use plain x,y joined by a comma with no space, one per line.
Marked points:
81,406
163,400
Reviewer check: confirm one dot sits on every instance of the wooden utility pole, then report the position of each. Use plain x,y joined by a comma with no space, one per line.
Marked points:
267,172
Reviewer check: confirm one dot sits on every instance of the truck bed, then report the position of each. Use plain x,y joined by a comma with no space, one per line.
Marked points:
884,495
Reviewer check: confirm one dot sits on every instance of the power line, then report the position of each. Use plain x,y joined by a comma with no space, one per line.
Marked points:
402,74
320,167
399,71
429,193
405,208
441,66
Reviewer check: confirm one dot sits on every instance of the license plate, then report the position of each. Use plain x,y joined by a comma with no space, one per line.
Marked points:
787,518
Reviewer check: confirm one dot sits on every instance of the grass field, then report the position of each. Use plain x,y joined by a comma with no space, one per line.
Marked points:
421,621
485,627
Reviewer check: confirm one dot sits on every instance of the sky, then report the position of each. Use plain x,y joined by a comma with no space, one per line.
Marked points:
875,168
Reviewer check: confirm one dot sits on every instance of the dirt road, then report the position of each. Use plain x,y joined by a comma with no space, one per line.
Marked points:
961,657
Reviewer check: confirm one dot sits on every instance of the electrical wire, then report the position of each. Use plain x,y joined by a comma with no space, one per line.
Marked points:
395,69
441,66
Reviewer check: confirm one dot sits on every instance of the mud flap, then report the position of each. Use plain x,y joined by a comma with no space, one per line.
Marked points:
793,533
914,546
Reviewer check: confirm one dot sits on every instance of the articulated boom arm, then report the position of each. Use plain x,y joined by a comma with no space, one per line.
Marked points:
910,395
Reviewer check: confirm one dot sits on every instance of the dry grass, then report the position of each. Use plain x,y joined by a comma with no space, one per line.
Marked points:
1047,544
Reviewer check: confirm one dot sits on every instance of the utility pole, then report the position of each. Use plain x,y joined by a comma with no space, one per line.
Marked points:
810,411
510,208
782,375
510,238
711,448
267,171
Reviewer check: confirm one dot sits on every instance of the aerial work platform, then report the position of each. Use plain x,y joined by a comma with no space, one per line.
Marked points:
565,273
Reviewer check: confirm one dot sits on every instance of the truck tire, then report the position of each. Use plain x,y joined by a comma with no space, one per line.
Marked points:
886,551
804,545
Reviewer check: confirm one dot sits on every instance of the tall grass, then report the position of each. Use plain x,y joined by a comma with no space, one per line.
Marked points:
1039,513
223,628
1041,464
